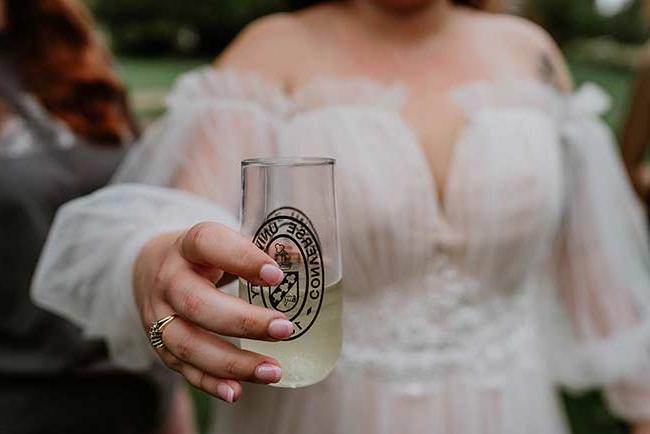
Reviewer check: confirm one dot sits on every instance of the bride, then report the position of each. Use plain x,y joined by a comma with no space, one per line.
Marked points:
492,245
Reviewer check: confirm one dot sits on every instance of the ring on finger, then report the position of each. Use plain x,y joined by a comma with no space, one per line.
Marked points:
156,330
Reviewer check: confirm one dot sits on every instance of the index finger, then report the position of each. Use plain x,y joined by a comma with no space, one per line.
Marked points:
214,245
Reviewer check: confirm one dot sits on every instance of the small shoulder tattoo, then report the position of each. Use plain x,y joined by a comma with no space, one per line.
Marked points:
547,72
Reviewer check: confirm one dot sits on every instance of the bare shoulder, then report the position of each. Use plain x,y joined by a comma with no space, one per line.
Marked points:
524,30
532,45
267,46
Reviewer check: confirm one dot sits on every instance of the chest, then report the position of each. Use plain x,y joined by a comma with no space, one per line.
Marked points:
504,189
437,123
428,73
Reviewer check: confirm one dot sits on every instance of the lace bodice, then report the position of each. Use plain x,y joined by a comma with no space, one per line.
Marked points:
539,247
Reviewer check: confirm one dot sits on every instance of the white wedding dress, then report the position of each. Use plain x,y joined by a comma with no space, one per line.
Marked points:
459,318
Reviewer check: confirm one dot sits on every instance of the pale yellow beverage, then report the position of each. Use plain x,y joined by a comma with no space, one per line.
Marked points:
311,355
288,211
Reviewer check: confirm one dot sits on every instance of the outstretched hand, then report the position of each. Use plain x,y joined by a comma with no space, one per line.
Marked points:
176,274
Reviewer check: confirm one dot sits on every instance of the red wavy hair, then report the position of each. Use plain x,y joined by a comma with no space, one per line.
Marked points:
60,60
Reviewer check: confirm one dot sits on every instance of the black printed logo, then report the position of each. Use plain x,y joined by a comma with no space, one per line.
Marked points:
288,236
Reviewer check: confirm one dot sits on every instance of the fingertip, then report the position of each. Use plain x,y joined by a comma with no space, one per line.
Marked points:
237,388
226,393
271,274
280,328
268,373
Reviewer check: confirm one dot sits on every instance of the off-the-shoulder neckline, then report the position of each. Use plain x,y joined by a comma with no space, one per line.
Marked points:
209,86
471,96
350,81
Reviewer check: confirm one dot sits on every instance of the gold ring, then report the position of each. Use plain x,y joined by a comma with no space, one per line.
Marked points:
156,329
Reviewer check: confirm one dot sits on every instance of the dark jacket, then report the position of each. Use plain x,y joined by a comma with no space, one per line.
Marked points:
53,379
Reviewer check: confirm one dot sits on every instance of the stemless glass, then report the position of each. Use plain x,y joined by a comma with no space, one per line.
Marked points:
289,211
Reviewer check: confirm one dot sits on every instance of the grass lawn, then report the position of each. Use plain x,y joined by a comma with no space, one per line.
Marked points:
149,80
154,73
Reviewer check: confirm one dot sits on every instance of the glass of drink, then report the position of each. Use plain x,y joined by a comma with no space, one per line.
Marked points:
289,211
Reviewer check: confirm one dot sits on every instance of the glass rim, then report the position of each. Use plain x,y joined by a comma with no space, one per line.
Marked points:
288,161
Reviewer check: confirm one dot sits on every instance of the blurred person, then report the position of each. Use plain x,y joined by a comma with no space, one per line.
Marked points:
636,135
64,124
492,244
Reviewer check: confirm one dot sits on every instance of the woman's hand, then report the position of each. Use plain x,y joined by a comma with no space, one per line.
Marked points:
176,274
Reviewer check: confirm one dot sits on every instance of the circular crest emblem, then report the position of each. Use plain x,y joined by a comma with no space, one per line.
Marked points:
288,237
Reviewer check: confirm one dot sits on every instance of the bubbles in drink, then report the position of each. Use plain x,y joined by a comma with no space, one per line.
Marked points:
311,356
289,212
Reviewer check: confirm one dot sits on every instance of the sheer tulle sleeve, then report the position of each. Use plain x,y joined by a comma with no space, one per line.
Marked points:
596,322
214,120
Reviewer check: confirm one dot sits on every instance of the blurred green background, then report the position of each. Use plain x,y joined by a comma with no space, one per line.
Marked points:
156,40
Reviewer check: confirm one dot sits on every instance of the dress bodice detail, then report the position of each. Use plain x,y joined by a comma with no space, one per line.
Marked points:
428,291
435,326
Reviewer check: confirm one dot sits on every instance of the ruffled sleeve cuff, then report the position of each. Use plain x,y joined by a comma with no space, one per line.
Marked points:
86,276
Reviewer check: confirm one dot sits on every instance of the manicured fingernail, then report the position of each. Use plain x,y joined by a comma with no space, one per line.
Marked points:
226,392
280,329
268,373
271,274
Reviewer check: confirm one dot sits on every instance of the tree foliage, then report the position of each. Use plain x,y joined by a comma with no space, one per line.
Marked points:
155,26
206,26
566,20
